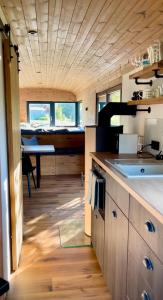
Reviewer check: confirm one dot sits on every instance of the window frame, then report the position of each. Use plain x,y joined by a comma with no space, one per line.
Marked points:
52,111
107,93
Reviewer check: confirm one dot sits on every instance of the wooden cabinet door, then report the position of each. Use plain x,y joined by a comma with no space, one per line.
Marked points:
98,236
14,155
115,251
100,240
93,228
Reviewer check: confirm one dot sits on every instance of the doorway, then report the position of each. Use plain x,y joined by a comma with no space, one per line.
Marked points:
4,181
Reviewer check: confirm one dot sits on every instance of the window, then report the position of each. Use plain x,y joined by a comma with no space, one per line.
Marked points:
80,114
102,101
64,114
115,96
39,114
45,114
110,95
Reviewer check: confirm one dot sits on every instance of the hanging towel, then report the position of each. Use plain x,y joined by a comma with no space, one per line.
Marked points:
97,193
94,189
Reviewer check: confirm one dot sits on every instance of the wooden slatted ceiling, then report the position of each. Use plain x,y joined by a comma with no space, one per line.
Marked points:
80,42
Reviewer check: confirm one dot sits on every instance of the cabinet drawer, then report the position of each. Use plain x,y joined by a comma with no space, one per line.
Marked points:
144,269
147,226
136,285
118,194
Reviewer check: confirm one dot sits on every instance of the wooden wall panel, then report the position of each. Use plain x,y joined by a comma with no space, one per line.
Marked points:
41,94
48,165
69,164
61,164
14,155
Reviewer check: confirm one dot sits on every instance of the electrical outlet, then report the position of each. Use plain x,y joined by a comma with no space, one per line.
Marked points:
159,156
155,145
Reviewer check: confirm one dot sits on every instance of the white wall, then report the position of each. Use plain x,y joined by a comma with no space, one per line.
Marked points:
88,97
4,194
154,131
137,124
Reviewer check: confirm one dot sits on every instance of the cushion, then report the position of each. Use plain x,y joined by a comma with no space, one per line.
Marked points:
30,142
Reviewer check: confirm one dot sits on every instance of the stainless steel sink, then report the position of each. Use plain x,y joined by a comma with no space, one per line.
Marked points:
135,168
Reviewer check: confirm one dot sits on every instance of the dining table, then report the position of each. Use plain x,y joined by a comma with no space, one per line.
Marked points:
38,151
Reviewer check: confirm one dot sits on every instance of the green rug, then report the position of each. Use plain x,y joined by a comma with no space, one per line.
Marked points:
72,234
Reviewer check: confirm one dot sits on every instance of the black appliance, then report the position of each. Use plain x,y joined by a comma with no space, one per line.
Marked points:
99,192
112,109
107,138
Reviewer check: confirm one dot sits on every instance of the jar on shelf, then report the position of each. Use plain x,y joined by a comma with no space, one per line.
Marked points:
147,94
140,143
161,90
157,92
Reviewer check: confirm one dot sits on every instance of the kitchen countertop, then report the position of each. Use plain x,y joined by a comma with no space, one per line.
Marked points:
147,191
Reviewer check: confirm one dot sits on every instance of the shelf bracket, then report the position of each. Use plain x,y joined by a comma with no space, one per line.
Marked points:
148,109
157,75
150,82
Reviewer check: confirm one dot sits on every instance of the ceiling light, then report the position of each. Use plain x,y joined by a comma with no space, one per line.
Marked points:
32,31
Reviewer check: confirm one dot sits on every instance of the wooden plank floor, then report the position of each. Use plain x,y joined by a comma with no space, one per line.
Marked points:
46,270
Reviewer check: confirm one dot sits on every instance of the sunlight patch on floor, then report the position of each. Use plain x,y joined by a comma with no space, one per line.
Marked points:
71,204
36,219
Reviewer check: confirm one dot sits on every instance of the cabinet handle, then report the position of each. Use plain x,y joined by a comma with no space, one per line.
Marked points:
149,226
148,263
114,213
145,296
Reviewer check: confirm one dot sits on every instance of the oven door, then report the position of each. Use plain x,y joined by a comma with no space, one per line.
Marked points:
98,194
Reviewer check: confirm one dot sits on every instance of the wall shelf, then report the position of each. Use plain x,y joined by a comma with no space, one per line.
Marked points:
150,101
148,72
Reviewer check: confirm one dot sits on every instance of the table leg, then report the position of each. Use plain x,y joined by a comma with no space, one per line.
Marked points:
38,172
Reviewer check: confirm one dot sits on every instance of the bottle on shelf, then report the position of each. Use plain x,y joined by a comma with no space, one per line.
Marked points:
147,94
161,90
156,92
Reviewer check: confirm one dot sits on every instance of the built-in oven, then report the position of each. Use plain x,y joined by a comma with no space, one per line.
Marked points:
99,188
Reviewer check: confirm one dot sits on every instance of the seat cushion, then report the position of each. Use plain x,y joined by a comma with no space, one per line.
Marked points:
31,141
